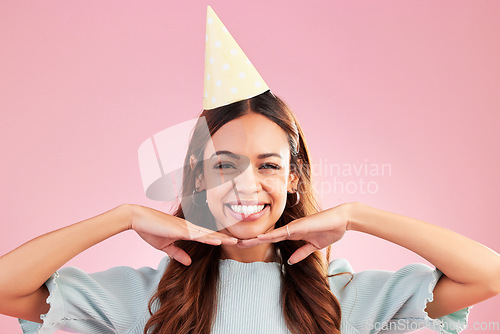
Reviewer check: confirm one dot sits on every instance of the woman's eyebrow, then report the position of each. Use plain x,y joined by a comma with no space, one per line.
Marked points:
236,156
267,155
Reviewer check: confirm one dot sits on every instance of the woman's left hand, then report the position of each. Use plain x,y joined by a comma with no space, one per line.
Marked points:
319,230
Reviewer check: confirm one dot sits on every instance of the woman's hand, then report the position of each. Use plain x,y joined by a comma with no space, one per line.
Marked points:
160,230
319,230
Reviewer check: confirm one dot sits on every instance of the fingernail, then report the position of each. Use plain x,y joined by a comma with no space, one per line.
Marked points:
234,239
288,261
260,235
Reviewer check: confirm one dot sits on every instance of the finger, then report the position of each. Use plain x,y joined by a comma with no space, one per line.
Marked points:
178,254
209,241
301,253
279,234
217,240
196,231
205,235
224,238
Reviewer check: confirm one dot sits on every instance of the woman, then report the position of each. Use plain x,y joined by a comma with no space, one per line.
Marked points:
256,266
262,271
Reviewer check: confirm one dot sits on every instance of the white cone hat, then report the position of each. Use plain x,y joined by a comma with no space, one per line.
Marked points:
229,74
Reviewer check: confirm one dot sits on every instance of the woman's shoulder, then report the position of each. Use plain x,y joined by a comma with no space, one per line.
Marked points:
340,272
340,269
378,287
117,279
342,265
116,298
372,298
144,271
339,265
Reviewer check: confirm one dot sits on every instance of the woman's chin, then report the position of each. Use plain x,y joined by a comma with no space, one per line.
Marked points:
243,231
244,235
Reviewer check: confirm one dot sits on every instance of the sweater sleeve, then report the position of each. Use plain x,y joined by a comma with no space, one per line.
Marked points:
112,301
380,301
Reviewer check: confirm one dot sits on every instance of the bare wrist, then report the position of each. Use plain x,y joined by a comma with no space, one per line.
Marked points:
352,209
127,212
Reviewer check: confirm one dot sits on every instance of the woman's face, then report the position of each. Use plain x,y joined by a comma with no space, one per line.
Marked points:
247,174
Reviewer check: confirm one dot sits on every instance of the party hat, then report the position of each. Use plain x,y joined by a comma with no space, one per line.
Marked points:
229,74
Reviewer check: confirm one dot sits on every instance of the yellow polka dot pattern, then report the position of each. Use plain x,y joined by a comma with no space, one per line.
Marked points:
229,74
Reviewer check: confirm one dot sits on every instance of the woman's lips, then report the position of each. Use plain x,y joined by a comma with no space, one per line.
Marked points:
247,217
246,202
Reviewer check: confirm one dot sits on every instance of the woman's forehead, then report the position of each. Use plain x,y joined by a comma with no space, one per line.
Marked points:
250,135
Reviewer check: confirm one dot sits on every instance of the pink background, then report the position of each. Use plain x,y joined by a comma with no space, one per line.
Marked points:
412,84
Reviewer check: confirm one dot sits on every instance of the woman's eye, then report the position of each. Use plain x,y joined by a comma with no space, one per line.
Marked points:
223,166
272,166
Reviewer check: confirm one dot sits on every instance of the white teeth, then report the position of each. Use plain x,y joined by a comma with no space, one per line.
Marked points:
247,209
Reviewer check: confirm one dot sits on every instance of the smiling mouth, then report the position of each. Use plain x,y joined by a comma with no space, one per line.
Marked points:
247,209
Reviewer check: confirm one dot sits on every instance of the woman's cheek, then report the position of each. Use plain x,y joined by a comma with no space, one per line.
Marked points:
276,187
215,202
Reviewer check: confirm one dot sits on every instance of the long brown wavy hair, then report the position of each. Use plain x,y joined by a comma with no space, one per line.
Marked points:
186,299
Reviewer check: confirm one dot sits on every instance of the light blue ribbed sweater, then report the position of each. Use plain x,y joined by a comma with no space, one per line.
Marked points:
115,301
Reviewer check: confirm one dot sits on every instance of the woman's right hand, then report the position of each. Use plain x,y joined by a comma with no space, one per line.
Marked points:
160,230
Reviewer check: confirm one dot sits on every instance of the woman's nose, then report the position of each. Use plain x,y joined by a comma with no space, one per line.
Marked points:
248,181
